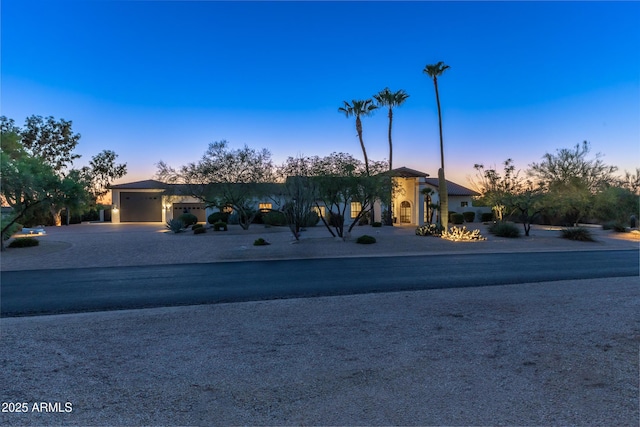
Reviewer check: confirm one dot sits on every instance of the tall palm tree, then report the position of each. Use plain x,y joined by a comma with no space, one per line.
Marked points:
434,71
386,98
359,108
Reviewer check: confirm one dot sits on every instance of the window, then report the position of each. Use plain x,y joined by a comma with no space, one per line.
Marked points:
264,207
227,209
464,204
356,207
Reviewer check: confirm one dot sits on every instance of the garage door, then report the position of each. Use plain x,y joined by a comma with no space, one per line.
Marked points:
140,207
198,209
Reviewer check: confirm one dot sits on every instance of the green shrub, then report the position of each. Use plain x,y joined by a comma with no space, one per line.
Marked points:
457,218
429,230
260,242
616,226
486,217
377,224
469,216
194,226
24,242
577,233
188,219
335,220
274,218
220,226
199,230
366,240
218,217
175,225
504,229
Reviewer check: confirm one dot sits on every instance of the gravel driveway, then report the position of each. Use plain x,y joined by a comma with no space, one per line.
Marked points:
558,353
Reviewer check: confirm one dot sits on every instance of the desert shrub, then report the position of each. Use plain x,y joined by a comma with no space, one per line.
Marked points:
366,240
486,217
274,218
504,229
188,219
377,224
199,230
218,217
175,225
260,242
24,242
220,226
577,233
457,234
429,230
194,226
457,218
469,216
616,226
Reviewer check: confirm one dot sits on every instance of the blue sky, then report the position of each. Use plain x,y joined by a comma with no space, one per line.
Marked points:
160,80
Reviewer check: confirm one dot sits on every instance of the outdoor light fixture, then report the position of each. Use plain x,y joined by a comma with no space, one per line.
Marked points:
115,208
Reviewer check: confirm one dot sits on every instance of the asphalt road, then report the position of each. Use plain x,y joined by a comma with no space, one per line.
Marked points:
39,292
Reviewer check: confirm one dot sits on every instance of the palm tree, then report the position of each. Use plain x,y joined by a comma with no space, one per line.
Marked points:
359,108
433,71
386,98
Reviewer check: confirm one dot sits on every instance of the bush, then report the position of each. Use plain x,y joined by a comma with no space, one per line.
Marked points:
194,226
377,224
366,240
175,225
577,233
486,217
457,218
24,242
469,216
220,226
616,226
260,242
456,234
218,217
335,220
429,230
188,219
199,230
274,218
504,229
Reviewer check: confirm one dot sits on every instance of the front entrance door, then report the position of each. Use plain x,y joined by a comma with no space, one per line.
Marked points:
405,213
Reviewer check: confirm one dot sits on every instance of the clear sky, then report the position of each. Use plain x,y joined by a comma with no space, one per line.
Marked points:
160,80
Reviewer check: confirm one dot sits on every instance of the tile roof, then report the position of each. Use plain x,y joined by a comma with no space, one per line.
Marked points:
149,184
453,189
404,172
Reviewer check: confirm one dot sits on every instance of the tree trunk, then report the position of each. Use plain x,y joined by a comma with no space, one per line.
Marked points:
364,151
444,199
56,213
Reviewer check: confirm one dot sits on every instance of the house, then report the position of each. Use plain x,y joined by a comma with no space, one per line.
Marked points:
155,201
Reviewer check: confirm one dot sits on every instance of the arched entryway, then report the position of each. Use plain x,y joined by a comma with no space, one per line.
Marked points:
405,212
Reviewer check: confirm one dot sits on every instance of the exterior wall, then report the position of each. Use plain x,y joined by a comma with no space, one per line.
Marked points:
409,191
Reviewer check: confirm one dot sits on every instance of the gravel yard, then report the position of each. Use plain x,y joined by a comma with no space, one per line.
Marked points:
556,353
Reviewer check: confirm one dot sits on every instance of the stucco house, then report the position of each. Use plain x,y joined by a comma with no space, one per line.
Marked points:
155,201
